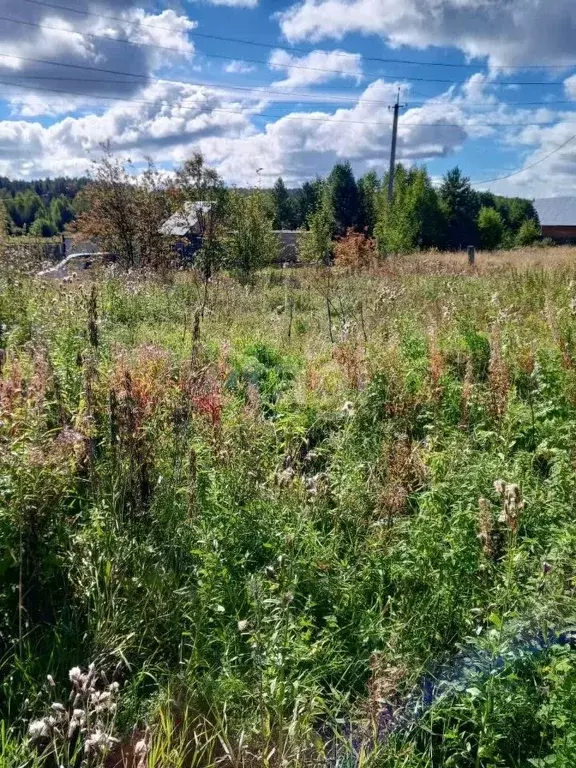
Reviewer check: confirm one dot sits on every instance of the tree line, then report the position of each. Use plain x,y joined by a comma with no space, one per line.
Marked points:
41,208
420,215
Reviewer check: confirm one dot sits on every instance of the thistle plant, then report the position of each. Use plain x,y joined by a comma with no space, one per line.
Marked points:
81,732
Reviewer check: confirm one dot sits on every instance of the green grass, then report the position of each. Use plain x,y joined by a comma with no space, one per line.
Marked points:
267,536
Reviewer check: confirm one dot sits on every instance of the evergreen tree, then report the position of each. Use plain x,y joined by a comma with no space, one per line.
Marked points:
461,207
5,221
344,197
367,191
61,212
283,206
307,201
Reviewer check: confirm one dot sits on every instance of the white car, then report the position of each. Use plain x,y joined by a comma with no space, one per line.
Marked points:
77,262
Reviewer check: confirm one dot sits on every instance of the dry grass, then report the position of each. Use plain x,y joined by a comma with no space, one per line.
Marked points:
487,262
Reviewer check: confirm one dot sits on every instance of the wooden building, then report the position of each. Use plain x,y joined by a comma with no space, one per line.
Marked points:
557,217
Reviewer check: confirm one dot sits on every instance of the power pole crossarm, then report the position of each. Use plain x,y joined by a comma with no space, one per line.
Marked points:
392,171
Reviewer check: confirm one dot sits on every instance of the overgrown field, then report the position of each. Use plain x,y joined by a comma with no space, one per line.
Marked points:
330,523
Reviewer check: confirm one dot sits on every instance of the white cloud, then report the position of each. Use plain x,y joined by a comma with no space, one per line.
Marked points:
316,67
178,117
570,87
237,137
505,31
62,37
550,166
235,3
302,145
172,119
238,67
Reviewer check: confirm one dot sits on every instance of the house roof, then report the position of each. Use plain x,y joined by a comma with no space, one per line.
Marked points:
556,211
186,219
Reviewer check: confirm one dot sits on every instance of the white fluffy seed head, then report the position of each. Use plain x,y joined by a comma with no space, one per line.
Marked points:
38,729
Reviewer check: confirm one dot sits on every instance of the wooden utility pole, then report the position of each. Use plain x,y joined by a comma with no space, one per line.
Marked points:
396,109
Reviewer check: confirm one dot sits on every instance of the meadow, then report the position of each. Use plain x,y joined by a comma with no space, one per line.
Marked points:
329,521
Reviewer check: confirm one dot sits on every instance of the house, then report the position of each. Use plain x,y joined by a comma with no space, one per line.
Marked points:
557,217
288,245
186,227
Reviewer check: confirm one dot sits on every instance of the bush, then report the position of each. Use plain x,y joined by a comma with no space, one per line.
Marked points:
355,251
528,233
491,228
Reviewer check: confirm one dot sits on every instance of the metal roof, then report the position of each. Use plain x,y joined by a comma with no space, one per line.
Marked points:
556,211
186,219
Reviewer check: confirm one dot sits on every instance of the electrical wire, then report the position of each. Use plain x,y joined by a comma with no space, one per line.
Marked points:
302,117
294,49
125,41
321,98
527,167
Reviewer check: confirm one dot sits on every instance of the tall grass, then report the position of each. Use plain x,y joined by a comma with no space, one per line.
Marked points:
332,522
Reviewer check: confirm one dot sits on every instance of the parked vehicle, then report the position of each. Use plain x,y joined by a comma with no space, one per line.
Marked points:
78,262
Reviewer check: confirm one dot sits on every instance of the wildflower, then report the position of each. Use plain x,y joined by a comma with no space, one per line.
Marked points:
546,568
141,752
500,487
348,408
285,477
50,680
317,483
513,504
485,526
58,708
114,687
99,741
38,730
242,625
75,675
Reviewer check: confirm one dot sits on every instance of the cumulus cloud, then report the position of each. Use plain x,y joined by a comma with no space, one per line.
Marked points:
171,119
549,160
570,87
63,37
168,120
316,67
238,67
301,145
507,32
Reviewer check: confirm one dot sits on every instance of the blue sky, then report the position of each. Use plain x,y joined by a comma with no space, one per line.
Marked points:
271,87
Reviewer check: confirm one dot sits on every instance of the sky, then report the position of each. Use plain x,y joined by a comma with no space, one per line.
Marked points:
268,88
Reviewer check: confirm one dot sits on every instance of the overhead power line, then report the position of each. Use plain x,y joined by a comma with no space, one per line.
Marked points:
293,49
257,89
268,89
181,105
527,167
92,36
186,105
209,108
